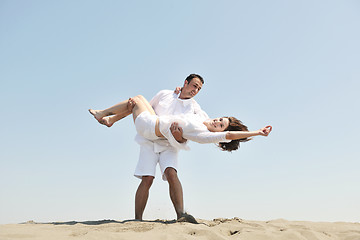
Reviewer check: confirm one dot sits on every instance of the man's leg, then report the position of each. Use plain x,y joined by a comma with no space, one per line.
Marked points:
142,195
175,189
145,169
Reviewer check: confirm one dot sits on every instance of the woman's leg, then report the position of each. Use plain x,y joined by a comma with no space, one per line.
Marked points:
140,104
109,121
118,109
135,105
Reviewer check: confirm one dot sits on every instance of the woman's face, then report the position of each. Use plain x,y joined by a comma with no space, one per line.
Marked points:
217,124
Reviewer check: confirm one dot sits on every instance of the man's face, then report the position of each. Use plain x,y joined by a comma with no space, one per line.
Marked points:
189,90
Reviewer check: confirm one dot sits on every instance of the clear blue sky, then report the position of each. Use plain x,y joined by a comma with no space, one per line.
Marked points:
291,64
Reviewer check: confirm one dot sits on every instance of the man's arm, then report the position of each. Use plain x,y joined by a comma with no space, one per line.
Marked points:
177,132
199,112
155,100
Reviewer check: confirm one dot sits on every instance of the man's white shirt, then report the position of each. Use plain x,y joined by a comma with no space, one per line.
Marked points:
165,103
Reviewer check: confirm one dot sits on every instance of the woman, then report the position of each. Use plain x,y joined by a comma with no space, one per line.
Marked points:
227,132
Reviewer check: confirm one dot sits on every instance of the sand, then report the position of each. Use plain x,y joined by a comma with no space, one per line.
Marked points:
216,229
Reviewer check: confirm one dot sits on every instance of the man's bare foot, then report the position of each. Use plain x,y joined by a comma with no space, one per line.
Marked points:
107,121
97,115
185,217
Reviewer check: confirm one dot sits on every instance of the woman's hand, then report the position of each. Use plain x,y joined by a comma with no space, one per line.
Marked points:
265,131
177,90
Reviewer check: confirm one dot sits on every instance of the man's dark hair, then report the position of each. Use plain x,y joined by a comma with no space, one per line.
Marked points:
192,76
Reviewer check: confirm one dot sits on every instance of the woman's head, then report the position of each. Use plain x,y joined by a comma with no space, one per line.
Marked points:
234,125
217,124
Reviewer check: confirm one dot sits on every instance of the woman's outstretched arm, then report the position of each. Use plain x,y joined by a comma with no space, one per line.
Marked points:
233,135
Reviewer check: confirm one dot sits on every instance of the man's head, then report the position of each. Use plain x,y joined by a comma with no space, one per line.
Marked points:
192,85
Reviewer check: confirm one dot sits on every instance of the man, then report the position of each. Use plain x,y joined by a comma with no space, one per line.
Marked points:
166,102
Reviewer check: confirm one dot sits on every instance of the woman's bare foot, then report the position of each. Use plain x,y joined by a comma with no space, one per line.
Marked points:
97,115
107,121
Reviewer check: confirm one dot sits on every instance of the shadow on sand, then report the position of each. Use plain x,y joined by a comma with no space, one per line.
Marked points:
99,222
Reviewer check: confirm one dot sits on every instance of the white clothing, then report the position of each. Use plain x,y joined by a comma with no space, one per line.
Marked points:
148,160
166,102
145,125
193,130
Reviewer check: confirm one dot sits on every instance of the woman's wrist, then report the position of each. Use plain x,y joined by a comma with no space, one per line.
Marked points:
254,133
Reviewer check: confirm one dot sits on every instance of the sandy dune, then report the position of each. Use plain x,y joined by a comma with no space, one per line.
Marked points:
217,229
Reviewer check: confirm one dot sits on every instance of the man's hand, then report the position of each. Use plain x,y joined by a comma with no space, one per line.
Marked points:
177,90
177,132
131,104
